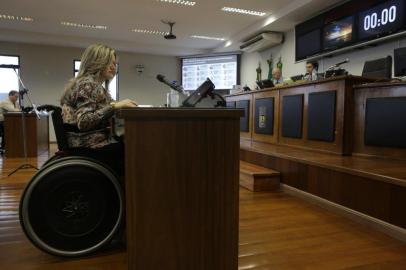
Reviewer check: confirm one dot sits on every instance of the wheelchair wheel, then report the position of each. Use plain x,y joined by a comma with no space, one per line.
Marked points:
51,159
71,207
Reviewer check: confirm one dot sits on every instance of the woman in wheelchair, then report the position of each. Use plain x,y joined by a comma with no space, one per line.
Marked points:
88,107
74,205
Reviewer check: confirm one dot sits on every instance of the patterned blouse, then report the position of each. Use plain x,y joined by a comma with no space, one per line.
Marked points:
87,107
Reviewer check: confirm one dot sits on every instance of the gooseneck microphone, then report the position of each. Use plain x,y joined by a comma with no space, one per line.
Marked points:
162,79
343,62
339,64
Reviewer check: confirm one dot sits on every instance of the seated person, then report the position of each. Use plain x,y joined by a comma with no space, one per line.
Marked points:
277,77
311,71
10,104
88,107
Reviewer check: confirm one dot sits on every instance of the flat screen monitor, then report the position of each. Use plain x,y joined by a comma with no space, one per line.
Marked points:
400,62
381,20
338,33
308,44
204,90
221,70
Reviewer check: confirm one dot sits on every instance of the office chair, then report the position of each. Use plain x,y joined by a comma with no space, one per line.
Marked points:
73,205
379,68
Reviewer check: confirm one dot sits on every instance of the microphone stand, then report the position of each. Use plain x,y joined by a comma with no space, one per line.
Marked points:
25,165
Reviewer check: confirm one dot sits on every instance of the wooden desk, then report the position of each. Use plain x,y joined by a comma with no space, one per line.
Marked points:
37,135
182,187
310,115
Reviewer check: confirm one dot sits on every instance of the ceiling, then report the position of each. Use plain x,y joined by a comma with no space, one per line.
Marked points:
204,19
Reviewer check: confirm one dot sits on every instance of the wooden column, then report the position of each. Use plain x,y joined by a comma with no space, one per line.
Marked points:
182,169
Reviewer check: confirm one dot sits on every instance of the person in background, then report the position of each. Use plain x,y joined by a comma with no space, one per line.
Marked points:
311,71
87,107
277,77
8,105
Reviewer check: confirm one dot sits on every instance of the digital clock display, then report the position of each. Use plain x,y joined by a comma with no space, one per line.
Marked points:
382,19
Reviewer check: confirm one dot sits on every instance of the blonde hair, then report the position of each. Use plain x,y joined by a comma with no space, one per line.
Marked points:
94,61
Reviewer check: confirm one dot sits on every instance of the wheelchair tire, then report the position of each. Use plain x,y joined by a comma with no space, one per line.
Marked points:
72,207
51,159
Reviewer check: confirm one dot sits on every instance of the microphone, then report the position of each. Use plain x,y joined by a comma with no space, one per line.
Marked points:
162,79
9,66
343,62
339,64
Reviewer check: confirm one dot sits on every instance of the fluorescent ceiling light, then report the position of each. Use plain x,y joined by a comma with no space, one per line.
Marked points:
151,32
16,18
243,11
179,2
82,25
211,38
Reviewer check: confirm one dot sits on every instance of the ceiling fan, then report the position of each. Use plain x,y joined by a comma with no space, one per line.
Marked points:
170,35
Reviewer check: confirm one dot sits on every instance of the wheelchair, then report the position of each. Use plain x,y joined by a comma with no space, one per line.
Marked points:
74,205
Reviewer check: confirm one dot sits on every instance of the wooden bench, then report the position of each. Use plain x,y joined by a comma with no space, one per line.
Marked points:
257,178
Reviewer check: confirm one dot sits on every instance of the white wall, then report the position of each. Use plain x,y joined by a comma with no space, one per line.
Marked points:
46,69
357,58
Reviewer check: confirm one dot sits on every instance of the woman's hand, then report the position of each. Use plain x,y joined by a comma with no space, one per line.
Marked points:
126,103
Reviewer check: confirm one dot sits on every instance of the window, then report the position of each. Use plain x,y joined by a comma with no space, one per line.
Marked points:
8,77
113,85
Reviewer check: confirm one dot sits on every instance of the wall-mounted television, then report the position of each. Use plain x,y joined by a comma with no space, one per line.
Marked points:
222,70
380,20
338,33
308,44
350,24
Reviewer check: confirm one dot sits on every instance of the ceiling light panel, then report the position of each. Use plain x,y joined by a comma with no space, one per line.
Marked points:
15,18
210,38
150,32
243,11
83,25
179,2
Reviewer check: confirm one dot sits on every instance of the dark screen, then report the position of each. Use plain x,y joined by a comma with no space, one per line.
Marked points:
308,44
292,116
385,120
400,62
380,20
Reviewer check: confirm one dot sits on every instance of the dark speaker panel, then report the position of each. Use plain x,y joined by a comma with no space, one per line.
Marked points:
321,116
264,115
292,116
385,122
244,121
230,104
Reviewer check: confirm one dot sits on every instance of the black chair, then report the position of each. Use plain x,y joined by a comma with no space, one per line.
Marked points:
379,68
73,205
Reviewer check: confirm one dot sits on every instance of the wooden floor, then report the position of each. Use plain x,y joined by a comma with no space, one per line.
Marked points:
277,231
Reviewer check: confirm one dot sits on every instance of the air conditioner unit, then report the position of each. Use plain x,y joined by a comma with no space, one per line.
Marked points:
262,42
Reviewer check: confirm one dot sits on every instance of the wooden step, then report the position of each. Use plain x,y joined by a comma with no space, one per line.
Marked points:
257,178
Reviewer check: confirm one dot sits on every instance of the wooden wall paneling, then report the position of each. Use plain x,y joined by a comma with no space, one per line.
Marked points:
286,93
245,96
361,95
336,146
263,137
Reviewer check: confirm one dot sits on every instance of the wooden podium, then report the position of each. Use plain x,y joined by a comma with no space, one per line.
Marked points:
37,134
182,187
